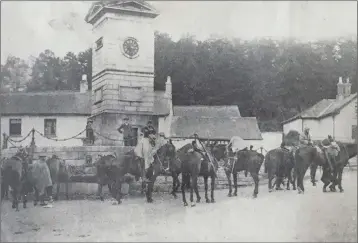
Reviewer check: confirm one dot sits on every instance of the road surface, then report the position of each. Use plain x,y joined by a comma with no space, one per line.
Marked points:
278,216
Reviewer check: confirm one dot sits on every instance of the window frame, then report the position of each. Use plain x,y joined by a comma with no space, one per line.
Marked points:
100,89
99,43
10,125
47,120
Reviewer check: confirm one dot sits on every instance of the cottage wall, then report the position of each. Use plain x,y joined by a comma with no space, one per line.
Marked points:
66,126
293,125
344,122
320,129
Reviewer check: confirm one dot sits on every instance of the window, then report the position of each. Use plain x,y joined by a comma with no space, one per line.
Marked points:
98,95
15,127
99,43
354,132
50,127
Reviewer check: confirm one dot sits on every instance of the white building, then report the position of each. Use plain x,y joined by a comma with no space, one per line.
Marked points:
56,115
122,86
336,117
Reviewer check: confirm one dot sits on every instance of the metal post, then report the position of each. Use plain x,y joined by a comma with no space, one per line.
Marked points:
32,144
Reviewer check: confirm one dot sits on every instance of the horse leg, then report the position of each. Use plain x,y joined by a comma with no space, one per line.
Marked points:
118,191
228,176
325,179
66,188
255,176
177,182
212,188
206,188
270,178
313,169
49,193
339,179
193,179
234,175
196,189
36,196
183,187
294,179
99,191
24,199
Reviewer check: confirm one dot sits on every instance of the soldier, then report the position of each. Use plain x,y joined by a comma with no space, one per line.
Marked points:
149,132
126,130
89,132
306,137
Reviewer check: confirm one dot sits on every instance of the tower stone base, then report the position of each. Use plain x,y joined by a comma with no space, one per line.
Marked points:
106,124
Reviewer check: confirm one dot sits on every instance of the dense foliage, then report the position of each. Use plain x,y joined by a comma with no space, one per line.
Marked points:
269,79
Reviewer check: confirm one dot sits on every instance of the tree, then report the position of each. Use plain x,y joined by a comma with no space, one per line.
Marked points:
14,75
47,74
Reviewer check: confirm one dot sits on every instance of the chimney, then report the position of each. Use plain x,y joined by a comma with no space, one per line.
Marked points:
83,84
168,88
348,88
340,89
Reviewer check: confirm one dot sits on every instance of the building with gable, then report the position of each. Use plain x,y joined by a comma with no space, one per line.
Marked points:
336,117
122,86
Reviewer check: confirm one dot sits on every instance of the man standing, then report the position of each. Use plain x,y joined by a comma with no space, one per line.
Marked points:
89,132
149,132
306,138
126,130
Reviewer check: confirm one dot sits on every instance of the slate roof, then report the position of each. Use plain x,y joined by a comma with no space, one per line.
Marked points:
220,128
207,111
57,103
324,108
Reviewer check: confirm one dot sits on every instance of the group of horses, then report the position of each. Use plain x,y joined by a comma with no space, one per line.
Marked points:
191,164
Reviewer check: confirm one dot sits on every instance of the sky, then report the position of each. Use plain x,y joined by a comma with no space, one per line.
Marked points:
30,27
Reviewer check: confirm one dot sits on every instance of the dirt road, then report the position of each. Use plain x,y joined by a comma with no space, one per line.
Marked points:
278,216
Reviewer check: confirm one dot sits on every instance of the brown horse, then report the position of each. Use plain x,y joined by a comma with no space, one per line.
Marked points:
15,174
304,157
111,171
347,151
60,173
279,162
190,168
244,160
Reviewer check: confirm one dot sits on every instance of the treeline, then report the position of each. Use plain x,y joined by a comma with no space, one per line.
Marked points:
272,80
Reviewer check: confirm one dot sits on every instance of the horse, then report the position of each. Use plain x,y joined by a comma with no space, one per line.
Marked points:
111,171
15,175
304,157
243,160
190,168
279,162
59,173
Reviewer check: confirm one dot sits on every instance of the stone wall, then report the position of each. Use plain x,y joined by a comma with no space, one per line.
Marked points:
76,156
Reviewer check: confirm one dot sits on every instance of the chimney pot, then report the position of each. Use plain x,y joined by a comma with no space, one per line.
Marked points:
340,80
84,77
347,80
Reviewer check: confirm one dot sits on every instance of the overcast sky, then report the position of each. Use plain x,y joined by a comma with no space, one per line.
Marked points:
27,28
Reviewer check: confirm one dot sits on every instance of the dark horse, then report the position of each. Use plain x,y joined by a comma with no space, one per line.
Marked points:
304,157
59,173
279,162
178,161
347,151
14,172
243,160
111,171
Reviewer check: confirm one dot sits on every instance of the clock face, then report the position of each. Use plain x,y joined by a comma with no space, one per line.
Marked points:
130,47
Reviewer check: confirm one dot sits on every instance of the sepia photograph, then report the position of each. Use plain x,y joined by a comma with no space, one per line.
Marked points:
178,121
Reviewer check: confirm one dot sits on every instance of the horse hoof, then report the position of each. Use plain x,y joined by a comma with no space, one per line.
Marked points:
102,199
279,189
212,200
24,206
235,194
254,196
149,200
288,189
175,196
341,190
207,200
198,200
185,204
13,206
314,184
270,190
193,204
294,188
229,195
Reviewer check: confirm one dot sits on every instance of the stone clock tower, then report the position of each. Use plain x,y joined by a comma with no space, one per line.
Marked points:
123,66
